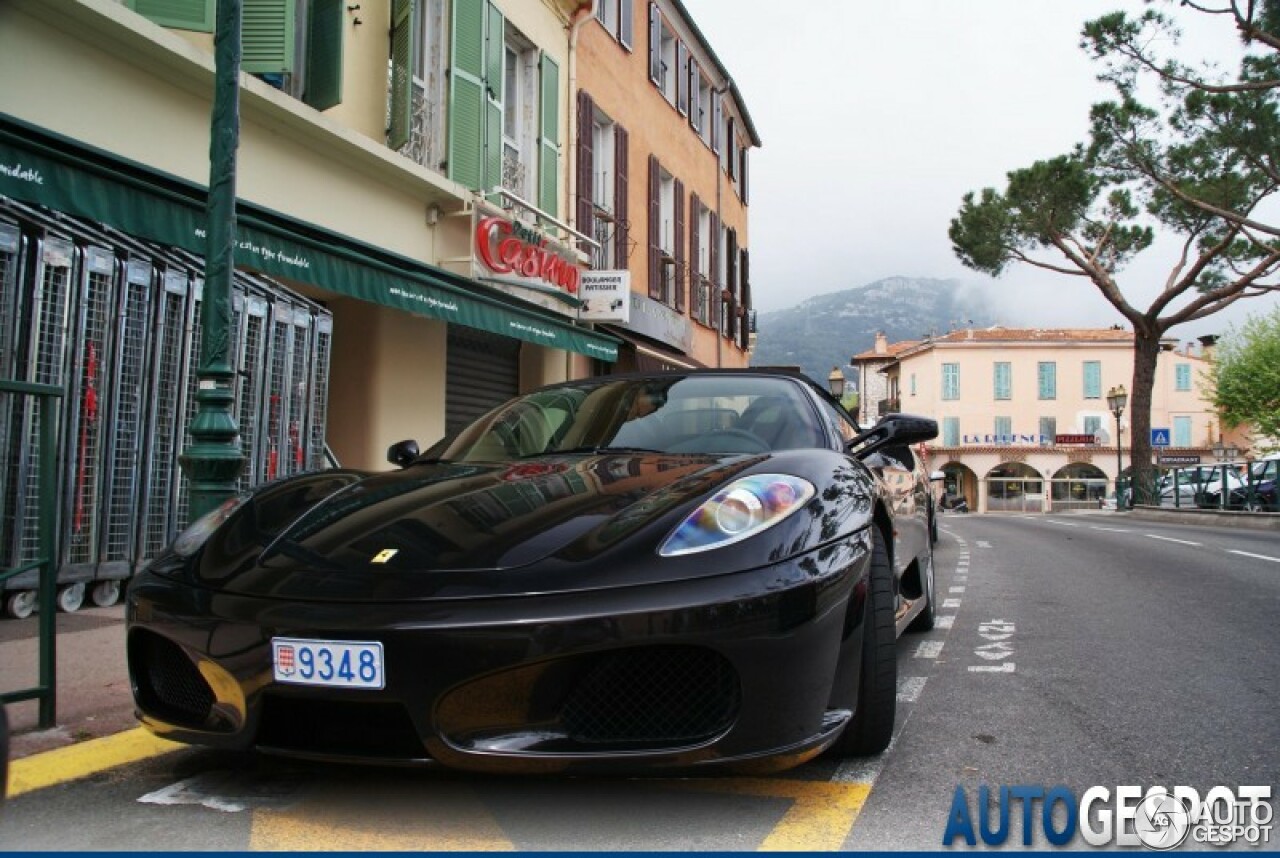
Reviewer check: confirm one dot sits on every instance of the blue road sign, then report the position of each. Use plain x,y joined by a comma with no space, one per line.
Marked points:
1159,437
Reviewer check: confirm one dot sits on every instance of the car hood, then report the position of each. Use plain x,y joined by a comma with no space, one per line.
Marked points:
458,529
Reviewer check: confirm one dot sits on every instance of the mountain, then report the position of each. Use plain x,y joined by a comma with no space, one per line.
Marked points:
826,330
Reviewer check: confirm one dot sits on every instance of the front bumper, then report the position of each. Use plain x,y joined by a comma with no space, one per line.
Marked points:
750,669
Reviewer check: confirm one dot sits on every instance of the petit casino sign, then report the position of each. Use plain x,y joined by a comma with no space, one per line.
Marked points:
508,248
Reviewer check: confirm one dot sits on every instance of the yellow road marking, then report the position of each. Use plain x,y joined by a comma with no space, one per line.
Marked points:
821,815
433,818
86,758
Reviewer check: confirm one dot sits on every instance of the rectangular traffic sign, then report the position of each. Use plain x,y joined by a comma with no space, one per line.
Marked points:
1160,437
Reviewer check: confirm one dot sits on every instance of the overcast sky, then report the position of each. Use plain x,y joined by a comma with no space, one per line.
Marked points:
877,117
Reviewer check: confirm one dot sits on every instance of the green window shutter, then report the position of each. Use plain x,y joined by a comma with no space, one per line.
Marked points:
1092,379
1182,431
495,42
1048,430
466,94
1004,429
1182,378
1048,377
194,15
951,381
400,109
1003,380
549,136
951,431
267,36
1092,425
325,28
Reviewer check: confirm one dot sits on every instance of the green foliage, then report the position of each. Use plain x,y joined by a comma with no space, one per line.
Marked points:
1245,375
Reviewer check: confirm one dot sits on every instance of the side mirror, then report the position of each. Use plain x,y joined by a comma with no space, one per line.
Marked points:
936,476
402,453
894,430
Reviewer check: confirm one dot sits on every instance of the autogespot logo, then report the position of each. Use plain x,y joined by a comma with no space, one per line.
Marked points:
1157,818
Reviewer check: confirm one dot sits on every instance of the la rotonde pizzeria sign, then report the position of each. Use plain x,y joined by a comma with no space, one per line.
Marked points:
516,255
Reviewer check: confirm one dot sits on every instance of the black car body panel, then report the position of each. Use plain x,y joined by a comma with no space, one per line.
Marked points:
530,612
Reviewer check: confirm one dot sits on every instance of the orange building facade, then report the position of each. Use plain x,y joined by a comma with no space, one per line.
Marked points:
660,178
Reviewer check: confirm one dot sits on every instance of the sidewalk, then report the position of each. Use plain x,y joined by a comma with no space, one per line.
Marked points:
93,697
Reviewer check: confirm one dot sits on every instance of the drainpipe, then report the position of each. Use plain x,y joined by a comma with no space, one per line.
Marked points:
580,16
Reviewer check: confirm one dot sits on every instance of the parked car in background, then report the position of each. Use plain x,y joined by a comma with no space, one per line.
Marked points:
659,571
1259,492
1194,486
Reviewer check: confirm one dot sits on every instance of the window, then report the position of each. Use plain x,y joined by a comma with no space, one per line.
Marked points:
1092,425
663,55
1003,380
700,91
1003,429
294,45
1048,376
1182,430
913,384
615,17
519,103
700,260
1092,379
666,236
951,431
1182,379
602,185
1048,430
951,381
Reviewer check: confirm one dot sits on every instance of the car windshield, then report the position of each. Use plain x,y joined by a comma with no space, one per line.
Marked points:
717,414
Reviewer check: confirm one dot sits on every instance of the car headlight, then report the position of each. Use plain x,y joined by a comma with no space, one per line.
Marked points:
199,531
741,509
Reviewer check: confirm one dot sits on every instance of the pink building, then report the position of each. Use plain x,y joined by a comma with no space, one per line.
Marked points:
1024,423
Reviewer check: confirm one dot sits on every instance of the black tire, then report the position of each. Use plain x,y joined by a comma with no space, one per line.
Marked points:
871,727
927,618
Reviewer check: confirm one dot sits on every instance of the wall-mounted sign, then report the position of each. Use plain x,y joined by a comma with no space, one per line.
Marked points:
606,296
1178,459
655,319
523,262
1008,440
1075,439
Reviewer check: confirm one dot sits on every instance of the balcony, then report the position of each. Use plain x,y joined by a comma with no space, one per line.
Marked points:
892,405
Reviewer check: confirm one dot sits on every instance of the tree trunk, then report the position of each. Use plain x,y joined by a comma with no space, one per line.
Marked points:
1146,349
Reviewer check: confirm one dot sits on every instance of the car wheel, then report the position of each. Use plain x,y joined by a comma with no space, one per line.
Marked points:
871,727
926,619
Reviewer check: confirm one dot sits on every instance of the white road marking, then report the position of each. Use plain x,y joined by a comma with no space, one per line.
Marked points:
955,589
909,688
1061,523
1170,539
928,649
947,621
950,603
1007,667
1111,529
983,544
1255,556
865,770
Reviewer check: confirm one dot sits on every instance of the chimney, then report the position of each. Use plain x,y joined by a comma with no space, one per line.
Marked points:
882,343
1206,345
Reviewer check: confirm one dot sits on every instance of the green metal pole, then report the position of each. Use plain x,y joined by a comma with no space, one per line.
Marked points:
214,459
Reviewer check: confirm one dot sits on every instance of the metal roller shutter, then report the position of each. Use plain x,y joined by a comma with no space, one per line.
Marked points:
483,370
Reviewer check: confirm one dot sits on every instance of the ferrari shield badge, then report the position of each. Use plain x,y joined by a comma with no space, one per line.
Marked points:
385,555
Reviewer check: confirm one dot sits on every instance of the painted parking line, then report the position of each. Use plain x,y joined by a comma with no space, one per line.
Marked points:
947,621
928,649
1255,556
74,762
821,815
1171,539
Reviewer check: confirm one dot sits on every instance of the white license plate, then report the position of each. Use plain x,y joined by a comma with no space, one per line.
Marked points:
338,664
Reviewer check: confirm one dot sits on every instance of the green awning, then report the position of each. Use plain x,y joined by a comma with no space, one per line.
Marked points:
39,167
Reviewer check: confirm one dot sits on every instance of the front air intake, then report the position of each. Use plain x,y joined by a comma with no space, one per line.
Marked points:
168,685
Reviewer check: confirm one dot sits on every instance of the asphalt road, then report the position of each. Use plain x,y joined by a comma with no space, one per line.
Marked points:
1079,650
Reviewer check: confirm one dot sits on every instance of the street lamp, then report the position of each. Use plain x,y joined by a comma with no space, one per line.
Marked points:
835,382
1225,452
1117,399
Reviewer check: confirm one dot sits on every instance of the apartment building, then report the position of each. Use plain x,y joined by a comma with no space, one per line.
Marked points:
662,184
1023,415
412,242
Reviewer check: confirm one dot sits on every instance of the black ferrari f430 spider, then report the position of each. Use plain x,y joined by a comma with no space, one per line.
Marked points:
631,572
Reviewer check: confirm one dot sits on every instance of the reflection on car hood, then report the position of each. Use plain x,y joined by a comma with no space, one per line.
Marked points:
340,530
